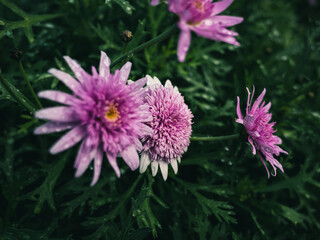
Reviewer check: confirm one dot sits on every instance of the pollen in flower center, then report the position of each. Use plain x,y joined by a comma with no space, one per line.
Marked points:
112,114
199,5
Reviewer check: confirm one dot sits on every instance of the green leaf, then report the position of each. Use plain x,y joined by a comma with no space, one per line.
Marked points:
45,191
291,214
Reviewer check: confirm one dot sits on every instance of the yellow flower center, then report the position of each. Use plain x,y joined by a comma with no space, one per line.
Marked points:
112,113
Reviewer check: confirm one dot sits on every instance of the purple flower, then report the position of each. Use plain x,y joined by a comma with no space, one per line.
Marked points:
171,125
200,16
260,131
103,112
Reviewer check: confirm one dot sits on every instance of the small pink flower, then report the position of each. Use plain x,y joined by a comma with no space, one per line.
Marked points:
200,16
104,112
260,131
171,125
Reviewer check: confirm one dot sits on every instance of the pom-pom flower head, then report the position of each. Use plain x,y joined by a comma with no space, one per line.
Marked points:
104,112
200,16
171,125
260,131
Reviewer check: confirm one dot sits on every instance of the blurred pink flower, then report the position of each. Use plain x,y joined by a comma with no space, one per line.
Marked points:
103,112
260,131
200,16
171,125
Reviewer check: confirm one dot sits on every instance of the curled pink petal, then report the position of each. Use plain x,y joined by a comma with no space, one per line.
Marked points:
238,109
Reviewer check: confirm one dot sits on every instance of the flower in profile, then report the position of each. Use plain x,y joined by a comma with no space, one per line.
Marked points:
200,16
260,131
105,113
171,125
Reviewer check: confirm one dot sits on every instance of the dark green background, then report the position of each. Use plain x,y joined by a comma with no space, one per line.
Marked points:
221,190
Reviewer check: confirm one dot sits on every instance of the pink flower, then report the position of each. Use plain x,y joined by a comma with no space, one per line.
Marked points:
200,16
171,125
103,112
260,131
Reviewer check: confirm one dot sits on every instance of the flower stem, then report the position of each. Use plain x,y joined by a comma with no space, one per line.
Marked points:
153,41
215,138
19,97
29,85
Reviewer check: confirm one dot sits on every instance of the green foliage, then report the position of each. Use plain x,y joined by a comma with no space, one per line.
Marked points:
221,190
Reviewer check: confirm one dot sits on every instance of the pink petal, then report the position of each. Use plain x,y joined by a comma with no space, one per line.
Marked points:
183,44
264,165
226,21
87,156
68,140
274,163
258,101
97,166
82,153
176,6
124,72
238,109
217,34
253,147
58,96
51,127
266,108
94,72
68,80
58,114
248,102
104,67
113,162
220,6
227,39
138,84
130,156
137,144
146,130
80,74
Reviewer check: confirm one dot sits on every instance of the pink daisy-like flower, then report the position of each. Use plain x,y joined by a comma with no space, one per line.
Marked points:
171,125
260,131
200,16
105,113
